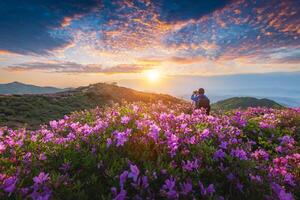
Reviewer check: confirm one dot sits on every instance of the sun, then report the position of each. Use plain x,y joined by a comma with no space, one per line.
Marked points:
153,75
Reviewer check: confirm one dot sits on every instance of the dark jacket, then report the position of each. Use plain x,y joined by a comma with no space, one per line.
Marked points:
201,101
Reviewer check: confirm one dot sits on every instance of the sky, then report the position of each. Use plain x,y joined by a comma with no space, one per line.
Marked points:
76,42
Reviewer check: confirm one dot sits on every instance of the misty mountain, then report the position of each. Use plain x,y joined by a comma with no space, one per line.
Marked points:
21,88
280,87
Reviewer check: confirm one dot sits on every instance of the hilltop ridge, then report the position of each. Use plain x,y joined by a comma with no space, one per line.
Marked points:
245,102
36,109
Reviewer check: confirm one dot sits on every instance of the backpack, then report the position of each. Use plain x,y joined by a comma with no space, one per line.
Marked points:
203,103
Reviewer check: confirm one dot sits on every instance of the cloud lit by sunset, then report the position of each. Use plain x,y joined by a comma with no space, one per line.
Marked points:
130,37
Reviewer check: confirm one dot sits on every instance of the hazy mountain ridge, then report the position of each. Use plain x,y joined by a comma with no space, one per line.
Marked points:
280,87
285,101
21,88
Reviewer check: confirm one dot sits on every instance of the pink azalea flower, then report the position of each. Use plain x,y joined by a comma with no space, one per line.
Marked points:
134,173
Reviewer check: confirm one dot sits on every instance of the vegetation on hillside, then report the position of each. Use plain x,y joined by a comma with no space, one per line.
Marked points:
244,102
33,110
155,151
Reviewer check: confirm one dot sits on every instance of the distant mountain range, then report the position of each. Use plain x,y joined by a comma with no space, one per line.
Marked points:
244,102
282,87
21,88
36,109
285,101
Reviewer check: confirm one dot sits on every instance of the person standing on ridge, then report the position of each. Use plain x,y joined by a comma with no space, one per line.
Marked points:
201,100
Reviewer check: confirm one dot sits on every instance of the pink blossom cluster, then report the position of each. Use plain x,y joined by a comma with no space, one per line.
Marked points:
154,151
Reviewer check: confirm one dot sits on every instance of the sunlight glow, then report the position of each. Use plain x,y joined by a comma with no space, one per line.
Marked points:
153,75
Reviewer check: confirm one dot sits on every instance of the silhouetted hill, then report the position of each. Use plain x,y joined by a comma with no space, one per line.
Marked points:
35,109
21,88
244,102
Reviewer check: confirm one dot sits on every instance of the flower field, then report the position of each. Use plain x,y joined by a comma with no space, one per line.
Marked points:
155,151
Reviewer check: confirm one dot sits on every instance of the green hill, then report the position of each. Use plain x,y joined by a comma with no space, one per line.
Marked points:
36,109
244,102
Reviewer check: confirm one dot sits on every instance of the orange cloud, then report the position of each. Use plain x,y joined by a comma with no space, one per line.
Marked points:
174,60
5,52
208,46
187,60
153,62
72,67
66,21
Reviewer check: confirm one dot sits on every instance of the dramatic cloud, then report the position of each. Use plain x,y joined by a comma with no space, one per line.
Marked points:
173,60
5,52
71,67
176,36
26,25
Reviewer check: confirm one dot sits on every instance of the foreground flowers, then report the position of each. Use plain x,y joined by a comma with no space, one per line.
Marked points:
155,151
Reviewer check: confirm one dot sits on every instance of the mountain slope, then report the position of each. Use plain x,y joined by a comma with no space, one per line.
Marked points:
244,102
21,88
17,110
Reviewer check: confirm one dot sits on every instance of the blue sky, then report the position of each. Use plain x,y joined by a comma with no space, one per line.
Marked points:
75,42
